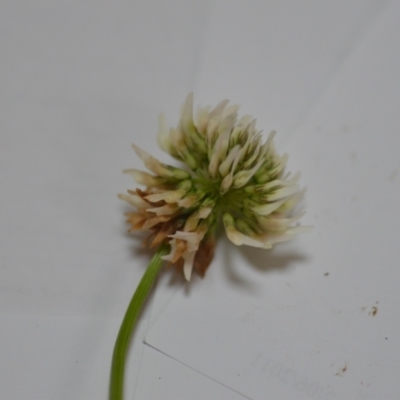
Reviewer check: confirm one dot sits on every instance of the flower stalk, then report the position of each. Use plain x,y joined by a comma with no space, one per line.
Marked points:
129,322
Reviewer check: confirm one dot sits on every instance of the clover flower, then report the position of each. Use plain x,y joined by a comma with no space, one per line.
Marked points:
229,174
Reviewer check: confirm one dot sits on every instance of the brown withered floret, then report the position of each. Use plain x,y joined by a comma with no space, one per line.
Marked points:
164,225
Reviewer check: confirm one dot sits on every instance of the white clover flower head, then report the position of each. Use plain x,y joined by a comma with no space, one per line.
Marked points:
230,174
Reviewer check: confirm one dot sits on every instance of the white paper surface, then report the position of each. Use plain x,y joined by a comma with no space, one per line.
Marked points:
80,81
276,57
169,379
316,318
59,357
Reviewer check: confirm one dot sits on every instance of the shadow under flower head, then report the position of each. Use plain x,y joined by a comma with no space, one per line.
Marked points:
230,174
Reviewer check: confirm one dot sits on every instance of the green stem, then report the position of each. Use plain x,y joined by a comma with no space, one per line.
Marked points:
128,323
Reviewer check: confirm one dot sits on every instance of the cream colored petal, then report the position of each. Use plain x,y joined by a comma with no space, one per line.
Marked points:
291,203
192,222
152,163
251,130
242,239
280,182
219,152
186,122
272,239
169,196
242,177
269,142
283,193
256,151
177,141
143,178
202,118
227,163
188,264
276,223
150,222
188,201
205,212
135,201
218,109
211,133
230,111
239,128
228,120
169,257
167,209
227,181
235,236
163,136
268,208
193,239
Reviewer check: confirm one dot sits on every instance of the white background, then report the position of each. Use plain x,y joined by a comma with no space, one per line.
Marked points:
81,81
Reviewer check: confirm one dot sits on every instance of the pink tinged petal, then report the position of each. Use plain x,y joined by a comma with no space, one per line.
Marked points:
188,264
143,178
152,163
135,201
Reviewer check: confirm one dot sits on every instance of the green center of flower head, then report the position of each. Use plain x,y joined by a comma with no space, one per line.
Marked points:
229,173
